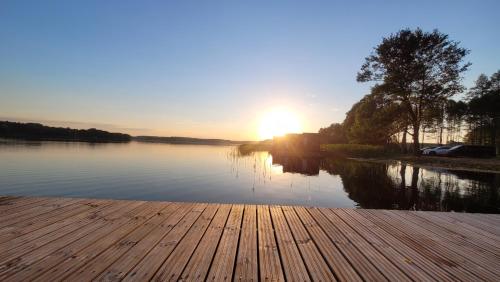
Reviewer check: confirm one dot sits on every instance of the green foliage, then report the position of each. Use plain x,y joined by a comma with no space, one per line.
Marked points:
333,134
373,120
355,150
416,69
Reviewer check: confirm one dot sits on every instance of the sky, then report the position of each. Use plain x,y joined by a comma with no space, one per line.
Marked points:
210,69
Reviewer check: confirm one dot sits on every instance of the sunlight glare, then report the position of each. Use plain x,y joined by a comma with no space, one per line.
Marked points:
278,122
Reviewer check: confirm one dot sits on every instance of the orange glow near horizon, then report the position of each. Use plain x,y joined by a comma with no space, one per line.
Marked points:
278,122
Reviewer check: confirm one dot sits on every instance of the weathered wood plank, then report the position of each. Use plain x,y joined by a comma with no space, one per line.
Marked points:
269,257
97,265
172,268
148,266
199,264
335,259
411,256
356,258
35,212
23,267
456,250
246,262
129,260
448,231
223,262
293,265
106,240
423,243
316,265
404,263
17,204
67,260
35,239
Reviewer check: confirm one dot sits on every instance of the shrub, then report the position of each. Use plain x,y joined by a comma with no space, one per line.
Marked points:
355,150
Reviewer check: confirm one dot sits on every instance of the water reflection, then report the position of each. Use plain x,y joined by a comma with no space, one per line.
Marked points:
399,186
220,174
294,164
406,187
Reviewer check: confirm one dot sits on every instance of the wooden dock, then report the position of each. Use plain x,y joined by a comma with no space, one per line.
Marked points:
53,239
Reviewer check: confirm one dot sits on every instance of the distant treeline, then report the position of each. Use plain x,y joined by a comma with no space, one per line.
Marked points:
186,140
36,131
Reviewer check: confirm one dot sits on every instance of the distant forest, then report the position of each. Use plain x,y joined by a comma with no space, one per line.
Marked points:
186,140
36,131
40,132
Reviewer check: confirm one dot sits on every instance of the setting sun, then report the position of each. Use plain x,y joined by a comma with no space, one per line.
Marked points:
278,122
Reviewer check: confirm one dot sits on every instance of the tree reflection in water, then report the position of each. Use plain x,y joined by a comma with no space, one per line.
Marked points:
399,186
374,185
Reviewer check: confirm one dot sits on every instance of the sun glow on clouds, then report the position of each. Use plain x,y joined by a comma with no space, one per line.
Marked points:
278,122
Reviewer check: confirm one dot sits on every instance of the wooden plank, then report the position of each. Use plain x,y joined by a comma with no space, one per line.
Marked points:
246,261
125,263
19,204
418,245
382,263
107,240
225,256
172,268
483,233
38,261
6,198
449,230
69,260
356,257
404,263
475,220
411,256
456,245
199,264
269,259
316,265
34,212
342,269
97,265
293,265
460,265
33,240
148,266
33,224
484,220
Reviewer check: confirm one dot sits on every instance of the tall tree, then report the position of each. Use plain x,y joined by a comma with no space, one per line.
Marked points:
416,69
484,109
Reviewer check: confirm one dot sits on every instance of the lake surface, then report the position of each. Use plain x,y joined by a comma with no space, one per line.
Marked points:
197,173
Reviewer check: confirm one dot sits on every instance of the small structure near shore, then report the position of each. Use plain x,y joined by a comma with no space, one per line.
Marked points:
304,144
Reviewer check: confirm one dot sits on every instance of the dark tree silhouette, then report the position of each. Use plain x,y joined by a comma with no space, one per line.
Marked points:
36,131
416,69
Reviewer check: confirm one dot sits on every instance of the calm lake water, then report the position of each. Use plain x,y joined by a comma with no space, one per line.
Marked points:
219,174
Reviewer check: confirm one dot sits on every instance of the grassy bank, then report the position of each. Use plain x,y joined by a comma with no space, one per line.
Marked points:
471,164
375,153
355,151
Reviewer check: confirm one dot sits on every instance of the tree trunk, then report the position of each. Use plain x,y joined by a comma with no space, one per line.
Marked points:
494,135
404,148
416,143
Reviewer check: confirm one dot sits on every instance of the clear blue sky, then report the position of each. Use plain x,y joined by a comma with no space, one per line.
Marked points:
209,68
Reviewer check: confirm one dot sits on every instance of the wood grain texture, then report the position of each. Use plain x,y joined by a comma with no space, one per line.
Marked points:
63,239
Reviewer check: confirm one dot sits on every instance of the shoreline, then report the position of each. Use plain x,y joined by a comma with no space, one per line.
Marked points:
463,164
